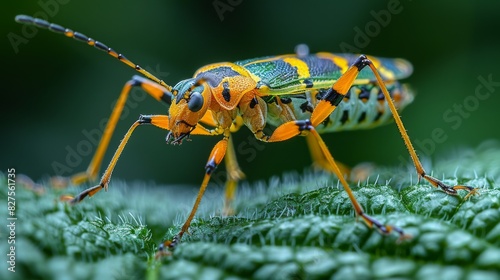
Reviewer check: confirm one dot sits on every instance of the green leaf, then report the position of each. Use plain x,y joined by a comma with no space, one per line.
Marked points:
294,227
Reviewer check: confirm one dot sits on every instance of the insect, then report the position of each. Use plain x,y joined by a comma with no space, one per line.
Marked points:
299,94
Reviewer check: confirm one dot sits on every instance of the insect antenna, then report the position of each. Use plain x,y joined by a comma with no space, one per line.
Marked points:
24,19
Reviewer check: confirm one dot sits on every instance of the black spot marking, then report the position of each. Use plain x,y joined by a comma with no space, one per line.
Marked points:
226,94
210,167
361,62
362,117
304,125
380,96
308,83
253,102
364,94
286,100
378,116
144,119
321,67
306,107
345,117
321,93
167,97
333,97
326,122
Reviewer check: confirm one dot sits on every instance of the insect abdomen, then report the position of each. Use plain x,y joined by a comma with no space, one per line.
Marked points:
364,107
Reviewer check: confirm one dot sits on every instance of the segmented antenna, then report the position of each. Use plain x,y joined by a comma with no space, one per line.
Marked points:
91,42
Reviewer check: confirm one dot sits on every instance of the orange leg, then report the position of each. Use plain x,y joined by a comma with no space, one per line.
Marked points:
214,160
160,121
452,190
155,90
233,171
319,160
307,127
234,175
335,95
324,108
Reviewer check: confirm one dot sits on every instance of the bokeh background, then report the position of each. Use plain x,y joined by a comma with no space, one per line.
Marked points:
54,88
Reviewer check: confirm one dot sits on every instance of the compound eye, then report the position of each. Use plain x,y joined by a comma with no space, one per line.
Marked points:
195,101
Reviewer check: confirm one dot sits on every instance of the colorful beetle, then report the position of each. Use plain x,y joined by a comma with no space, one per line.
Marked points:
299,94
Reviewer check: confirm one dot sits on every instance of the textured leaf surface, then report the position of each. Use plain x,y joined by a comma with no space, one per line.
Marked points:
295,227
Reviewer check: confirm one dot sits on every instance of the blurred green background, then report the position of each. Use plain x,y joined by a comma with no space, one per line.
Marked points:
55,88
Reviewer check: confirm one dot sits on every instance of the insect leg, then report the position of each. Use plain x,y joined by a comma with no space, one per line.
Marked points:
214,160
307,127
324,108
156,91
160,121
358,173
234,173
319,160
452,190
